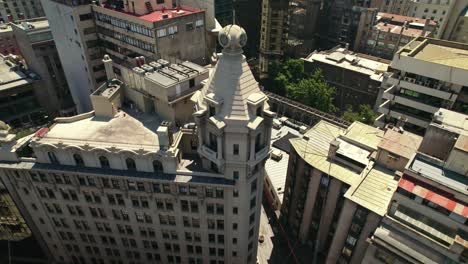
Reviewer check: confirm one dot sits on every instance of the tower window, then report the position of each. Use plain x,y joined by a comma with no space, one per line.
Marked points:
213,142
157,166
212,110
258,145
191,83
235,175
235,149
259,111
78,159
130,164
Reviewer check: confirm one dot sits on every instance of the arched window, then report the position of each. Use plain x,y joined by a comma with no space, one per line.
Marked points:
78,159
130,164
104,162
53,159
157,166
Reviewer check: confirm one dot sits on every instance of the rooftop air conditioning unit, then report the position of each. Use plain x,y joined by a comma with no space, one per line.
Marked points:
165,16
276,155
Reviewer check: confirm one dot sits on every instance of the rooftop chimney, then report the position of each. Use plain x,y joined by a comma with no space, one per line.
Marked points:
108,66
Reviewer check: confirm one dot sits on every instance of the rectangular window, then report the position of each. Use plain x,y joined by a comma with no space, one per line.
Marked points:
235,149
85,17
189,26
161,33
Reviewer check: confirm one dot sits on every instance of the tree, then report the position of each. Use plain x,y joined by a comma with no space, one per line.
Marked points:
314,92
292,71
365,114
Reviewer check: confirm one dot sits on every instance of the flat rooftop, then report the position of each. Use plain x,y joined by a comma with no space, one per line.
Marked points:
402,19
10,78
343,58
451,121
33,24
5,28
176,73
315,151
375,190
428,168
448,53
364,135
276,170
157,15
127,130
397,29
404,144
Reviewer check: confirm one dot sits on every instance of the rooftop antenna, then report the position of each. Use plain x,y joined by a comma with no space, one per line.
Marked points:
234,12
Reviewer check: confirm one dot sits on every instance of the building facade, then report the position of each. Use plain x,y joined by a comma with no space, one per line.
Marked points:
384,34
418,85
21,99
37,47
12,10
330,206
426,222
274,33
125,32
356,77
148,191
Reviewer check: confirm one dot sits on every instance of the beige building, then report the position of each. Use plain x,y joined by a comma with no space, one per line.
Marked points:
426,222
339,185
383,34
13,10
425,75
459,32
117,185
273,33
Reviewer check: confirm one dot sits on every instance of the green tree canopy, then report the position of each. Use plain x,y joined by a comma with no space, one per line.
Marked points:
292,71
365,114
313,91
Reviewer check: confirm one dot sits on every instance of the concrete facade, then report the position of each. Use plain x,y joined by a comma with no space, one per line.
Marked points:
37,47
273,34
117,185
417,86
327,206
8,43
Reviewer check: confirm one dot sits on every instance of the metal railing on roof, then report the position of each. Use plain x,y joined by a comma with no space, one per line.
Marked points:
312,112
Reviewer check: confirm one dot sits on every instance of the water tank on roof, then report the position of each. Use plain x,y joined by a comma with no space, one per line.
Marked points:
164,63
155,65
147,68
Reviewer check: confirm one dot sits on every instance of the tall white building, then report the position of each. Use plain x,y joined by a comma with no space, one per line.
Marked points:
12,10
426,74
117,185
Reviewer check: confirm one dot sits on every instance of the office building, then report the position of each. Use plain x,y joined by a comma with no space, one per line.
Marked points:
274,33
37,47
117,185
383,35
247,16
426,221
339,185
356,77
425,75
84,32
8,44
13,10
21,99
224,11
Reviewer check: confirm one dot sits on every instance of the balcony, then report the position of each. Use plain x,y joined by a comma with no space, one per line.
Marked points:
410,118
380,121
384,108
410,102
209,153
388,93
437,90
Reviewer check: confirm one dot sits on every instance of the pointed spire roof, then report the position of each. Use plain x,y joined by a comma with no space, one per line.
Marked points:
231,83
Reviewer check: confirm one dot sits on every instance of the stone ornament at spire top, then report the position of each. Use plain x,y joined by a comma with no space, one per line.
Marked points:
232,38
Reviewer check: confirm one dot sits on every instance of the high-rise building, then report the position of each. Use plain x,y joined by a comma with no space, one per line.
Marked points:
426,221
117,185
459,31
37,47
83,31
425,75
247,16
223,11
339,185
274,33
13,10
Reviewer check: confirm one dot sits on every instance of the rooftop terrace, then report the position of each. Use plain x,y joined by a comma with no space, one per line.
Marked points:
452,54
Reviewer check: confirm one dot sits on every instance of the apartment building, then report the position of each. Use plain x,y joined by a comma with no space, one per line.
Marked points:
13,10
425,75
8,43
339,185
117,185
356,77
274,33
21,100
164,88
426,221
384,34
37,47
459,32
125,32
